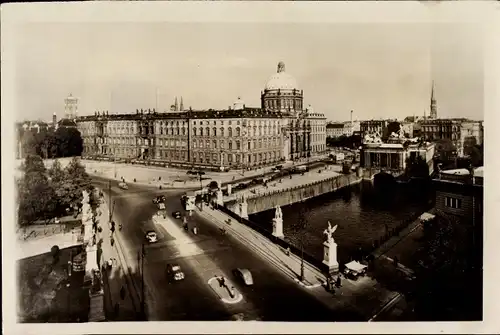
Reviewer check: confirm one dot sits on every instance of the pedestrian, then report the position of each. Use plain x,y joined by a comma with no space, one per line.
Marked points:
338,282
222,281
232,292
112,241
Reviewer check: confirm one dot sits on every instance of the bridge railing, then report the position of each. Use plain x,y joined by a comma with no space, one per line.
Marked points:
276,240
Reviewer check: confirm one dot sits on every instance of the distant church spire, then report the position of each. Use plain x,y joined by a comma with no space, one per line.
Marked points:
176,104
433,114
182,105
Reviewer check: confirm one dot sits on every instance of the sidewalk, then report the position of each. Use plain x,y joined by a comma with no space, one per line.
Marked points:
286,183
116,277
364,297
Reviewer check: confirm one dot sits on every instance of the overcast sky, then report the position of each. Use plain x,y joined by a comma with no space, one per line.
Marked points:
375,69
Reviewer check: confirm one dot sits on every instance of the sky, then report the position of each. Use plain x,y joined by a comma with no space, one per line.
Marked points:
378,70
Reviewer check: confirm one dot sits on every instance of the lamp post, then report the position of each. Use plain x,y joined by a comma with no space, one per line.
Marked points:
200,174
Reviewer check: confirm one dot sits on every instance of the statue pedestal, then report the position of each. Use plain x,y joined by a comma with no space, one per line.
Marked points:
220,198
330,257
278,227
243,210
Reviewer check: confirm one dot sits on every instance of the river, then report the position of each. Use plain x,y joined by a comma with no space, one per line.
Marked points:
362,212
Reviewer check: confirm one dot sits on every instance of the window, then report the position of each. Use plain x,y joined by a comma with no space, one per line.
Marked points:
238,131
453,202
222,144
195,144
207,131
221,131
207,144
230,145
214,144
215,131
230,131
194,130
238,146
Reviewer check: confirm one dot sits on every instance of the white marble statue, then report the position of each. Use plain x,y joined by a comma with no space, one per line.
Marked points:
329,233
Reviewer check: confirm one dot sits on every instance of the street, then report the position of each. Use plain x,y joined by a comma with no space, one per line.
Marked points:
273,297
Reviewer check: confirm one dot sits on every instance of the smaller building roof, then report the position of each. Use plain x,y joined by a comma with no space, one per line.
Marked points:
456,172
478,172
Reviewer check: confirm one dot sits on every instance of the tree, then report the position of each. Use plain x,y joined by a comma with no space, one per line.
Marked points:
416,167
448,279
36,197
78,181
34,164
69,142
393,127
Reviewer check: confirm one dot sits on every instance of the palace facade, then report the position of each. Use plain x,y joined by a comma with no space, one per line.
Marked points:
238,137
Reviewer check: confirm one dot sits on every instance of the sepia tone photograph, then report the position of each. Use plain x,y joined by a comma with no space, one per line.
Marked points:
235,170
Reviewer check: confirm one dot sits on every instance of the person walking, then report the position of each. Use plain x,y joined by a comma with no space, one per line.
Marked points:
222,281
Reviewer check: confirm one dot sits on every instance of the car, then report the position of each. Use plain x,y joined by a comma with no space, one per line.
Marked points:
176,215
244,275
123,186
161,206
174,272
158,199
151,236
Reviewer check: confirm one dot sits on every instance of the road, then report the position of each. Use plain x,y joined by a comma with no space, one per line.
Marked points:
273,297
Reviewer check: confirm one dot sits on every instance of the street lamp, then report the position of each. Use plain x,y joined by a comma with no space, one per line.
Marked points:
200,174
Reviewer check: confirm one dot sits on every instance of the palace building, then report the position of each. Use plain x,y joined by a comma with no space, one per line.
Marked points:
238,137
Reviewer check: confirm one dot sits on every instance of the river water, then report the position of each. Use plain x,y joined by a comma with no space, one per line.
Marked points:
362,212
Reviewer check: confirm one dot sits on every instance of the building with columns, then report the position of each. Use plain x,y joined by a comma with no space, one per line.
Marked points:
238,137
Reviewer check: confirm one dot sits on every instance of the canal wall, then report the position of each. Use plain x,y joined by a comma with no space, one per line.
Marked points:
283,197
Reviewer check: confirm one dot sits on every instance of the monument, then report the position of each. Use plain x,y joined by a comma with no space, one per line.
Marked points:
278,223
330,250
243,207
229,189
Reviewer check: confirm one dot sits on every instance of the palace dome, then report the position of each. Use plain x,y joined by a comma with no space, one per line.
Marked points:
281,80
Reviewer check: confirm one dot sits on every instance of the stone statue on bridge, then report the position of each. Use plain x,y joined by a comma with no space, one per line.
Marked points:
330,250
278,222
329,233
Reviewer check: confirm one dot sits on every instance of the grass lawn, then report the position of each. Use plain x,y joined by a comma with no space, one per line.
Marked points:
43,292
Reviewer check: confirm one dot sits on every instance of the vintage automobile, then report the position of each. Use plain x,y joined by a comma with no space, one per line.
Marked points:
151,236
174,273
244,275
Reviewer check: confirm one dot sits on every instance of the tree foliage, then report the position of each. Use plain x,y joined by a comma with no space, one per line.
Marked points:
35,193
45,194
64,142
448,278
416,167
353,141
393,127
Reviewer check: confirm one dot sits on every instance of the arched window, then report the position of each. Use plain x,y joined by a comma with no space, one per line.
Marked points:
194,131
214,143
183,131
215,131
208,131
238,132
221,131
201,131
230,131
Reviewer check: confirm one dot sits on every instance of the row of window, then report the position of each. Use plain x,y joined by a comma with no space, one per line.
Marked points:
285,103
253,131
255,144
207,157
453,202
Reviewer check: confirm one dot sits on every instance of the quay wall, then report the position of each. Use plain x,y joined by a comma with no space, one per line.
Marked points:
283,197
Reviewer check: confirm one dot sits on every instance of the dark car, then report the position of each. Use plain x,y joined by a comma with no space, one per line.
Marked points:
244,275
174,273
176,215
158,199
